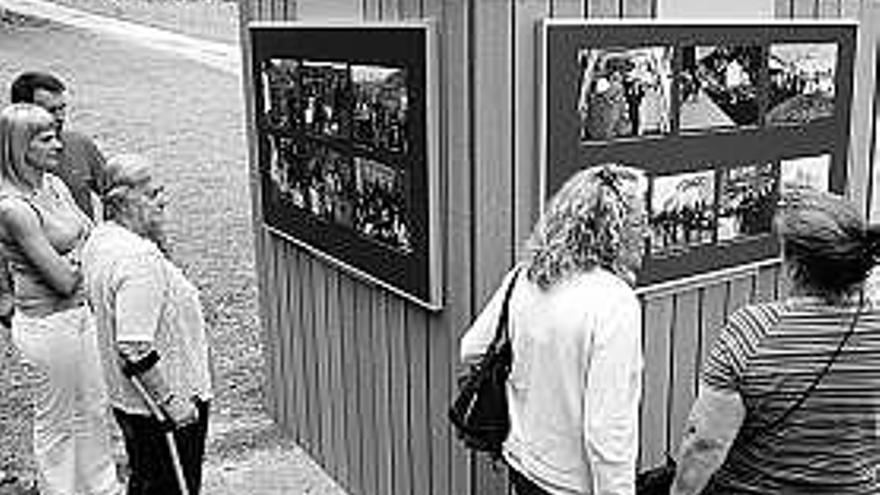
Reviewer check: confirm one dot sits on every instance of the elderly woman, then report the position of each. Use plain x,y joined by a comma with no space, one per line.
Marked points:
41,231
789,395
575,326
150,324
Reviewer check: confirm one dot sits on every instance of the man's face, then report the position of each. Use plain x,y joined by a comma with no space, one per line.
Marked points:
54,102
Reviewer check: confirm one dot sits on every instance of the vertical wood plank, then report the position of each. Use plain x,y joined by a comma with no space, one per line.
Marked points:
421,441
320,351
568,8
278,9
371,10
367,386
272,337
861,174
658,314
639,8
783,8
389,10
853,9
739,293
305,284
439,393
828,9
603,8
685,349
399,398
294,326
456,122
526,13
350,373
493,59
287,314
414,9
493,174
331,9
765,283
380,359
335,395
804,8
714,301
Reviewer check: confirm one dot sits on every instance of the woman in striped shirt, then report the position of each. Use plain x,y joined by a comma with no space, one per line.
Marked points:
748,431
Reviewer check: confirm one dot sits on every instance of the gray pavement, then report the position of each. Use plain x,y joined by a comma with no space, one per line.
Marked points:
184,109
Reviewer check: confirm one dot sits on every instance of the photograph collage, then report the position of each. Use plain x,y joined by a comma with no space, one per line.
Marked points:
714,206
338,144
652,92
658,90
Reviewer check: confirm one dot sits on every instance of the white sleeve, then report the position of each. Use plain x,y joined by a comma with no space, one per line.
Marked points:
614,389
139,294
478,337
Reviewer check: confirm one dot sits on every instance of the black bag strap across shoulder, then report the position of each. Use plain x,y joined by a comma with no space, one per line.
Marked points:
501,335
818,378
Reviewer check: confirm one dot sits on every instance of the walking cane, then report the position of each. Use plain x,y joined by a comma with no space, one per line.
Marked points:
161,416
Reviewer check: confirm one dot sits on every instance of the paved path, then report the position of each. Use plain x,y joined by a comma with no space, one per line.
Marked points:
179,101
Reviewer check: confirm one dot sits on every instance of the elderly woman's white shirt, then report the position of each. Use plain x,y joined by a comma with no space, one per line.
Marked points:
138,295
575,384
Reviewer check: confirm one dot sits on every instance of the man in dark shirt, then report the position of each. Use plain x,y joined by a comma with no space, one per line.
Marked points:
81,162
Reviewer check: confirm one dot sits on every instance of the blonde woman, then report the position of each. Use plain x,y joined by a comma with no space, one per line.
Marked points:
575,326
41,230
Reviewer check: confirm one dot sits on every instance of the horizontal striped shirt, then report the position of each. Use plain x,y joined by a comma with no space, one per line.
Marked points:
770,354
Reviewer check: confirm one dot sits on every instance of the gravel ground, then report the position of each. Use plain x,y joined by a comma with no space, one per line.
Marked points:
189,119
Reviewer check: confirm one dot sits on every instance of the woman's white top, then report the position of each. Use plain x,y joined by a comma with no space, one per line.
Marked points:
575,383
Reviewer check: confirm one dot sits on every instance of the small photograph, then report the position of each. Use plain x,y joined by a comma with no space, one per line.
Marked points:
801,82
719,86
682,211
325,98
287,159
747,201
380,107
314,178
808,172
281,92
624,92
380,211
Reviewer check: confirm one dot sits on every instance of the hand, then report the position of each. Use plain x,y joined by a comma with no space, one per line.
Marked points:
181,411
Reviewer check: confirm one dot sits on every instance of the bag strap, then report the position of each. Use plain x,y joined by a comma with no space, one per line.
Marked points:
809,390
501,335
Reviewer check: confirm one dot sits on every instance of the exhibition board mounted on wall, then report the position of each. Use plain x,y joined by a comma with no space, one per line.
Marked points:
720,115
346,120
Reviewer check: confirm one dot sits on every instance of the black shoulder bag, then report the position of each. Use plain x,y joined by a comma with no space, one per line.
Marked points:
479,411
658,481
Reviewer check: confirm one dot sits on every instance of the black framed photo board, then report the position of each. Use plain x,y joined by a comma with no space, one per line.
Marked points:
346,120
720,115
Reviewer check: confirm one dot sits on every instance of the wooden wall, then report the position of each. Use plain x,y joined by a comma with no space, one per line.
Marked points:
361,378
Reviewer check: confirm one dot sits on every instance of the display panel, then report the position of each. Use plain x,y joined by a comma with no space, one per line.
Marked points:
719,115
346,126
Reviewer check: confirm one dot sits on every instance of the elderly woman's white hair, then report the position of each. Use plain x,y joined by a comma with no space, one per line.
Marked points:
19,123
597,218
122,173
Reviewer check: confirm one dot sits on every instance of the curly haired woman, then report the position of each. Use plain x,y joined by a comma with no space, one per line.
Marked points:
575,326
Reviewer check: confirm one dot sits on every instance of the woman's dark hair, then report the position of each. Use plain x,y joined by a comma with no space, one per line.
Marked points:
826,242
